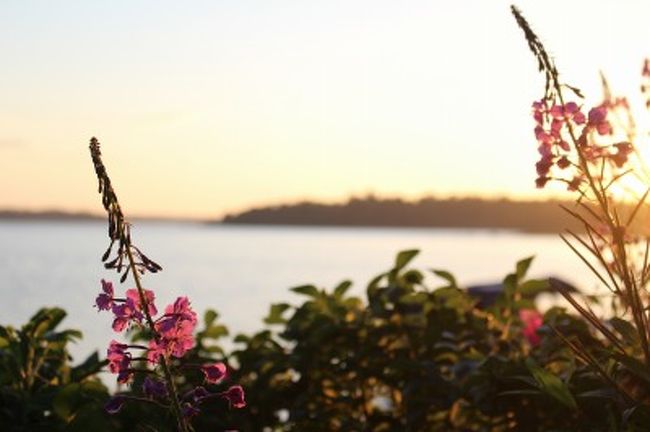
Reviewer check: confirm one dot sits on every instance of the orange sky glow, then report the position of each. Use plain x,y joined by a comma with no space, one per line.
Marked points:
218,106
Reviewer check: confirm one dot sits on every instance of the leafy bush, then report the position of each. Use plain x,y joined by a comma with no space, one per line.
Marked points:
39,389
412,355
416,358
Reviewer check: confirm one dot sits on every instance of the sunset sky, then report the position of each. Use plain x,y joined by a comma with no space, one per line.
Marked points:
208,107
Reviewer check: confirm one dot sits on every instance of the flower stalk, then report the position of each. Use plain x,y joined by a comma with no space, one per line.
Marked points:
171,332
586,153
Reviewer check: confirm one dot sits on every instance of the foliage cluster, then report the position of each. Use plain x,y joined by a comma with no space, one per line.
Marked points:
412,355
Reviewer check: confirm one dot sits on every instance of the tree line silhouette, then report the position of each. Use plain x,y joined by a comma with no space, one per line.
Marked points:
531,216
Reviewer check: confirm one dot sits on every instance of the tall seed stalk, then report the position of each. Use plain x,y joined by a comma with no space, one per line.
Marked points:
130,259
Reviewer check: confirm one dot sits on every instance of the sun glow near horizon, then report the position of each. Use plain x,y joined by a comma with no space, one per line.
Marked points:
213,109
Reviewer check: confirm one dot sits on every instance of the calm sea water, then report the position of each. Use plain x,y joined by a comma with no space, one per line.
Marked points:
241,270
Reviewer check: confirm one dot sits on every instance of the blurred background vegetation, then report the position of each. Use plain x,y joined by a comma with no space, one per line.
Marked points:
408,356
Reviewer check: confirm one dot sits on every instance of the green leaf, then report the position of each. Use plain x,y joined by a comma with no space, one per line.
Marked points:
214,349
209,317
634,366
522,267
532,288
308,290
509,286
551,384
446,276
44,320
94,389
90,366
342,288
603,393
275,314
520,393
241,338
67,400
215,331
373,285
64,336
413,277
625,329
404,257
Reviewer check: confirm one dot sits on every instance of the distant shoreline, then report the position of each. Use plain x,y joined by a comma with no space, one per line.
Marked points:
63,216
47,215
462,213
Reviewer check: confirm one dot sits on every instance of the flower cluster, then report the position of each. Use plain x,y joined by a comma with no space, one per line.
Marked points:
172,338
565,137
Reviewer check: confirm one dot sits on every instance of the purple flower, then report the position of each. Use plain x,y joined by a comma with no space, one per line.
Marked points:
154,388
114,404
196,395
124,313
188,410
104,300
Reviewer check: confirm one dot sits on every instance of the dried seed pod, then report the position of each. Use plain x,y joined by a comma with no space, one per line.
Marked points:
108,251
111,264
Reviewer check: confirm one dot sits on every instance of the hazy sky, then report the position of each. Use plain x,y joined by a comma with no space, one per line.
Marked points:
205,107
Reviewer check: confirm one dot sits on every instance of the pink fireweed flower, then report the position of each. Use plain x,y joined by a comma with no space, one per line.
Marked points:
540,182
124,376
214,373
155,350
543,137
567,112
149,298
179,317
598,120
119,361
235,396
539,109
117,356
563,162
181,340
104,300
177,313
544,165
574,184
532,321
175,329
591,153
623,150
124,314
545,150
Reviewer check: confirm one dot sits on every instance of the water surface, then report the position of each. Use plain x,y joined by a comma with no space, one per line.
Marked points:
241,270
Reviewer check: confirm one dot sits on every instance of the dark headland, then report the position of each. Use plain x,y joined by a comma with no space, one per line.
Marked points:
529,216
